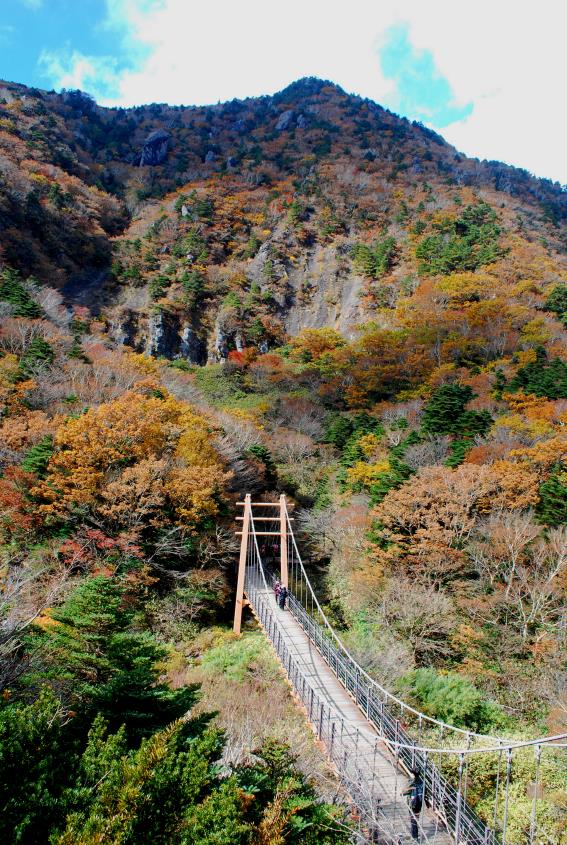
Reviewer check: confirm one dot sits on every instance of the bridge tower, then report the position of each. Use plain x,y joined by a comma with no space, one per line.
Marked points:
277,527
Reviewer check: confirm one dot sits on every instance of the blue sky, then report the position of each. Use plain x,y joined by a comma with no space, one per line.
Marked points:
37,35
488,76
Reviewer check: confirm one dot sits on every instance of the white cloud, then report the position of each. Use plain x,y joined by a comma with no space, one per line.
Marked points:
32,4
68,68
507,57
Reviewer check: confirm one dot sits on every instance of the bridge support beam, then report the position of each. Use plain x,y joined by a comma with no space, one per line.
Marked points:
284,581
242,564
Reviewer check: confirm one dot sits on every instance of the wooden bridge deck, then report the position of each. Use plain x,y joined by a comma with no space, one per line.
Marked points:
375,766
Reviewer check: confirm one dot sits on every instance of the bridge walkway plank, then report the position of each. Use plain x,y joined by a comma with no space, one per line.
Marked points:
374,759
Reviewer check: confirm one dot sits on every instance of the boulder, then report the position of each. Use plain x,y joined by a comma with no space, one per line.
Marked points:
155,148
285,120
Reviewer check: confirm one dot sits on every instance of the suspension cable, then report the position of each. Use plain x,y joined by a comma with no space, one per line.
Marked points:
504,743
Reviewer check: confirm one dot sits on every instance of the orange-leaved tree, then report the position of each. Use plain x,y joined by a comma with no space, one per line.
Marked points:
144,459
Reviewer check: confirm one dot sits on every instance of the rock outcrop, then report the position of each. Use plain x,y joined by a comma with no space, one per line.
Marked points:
155,149
285,120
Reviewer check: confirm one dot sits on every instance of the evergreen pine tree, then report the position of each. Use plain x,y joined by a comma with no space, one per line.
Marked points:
37,458
107,666
557,302
13,291
445,408
552,507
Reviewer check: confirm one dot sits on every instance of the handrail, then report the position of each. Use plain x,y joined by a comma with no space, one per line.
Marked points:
448,802
330,727
402,704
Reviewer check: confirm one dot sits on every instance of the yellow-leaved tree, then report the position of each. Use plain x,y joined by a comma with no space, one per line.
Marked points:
143,459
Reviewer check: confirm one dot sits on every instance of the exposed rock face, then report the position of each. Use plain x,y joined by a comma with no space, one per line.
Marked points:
123,330
220,348
322,291
285,120
163,335
192,347
155,148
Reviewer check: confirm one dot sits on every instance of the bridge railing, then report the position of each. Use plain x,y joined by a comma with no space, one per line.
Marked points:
392,718
352,751
439,794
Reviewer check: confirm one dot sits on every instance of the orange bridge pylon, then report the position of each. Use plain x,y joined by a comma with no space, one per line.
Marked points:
249,520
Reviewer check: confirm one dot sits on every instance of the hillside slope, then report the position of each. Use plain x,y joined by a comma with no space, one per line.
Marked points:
304,294
285,187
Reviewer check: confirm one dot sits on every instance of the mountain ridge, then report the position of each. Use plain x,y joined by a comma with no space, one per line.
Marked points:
312,138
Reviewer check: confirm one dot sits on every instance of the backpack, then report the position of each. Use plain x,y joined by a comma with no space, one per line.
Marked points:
416,799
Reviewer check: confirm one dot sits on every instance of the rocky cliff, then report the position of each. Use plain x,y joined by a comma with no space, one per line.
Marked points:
196,232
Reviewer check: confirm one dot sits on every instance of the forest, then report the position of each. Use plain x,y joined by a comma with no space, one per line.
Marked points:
306,295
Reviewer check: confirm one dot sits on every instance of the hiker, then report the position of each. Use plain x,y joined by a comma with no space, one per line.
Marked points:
282,597
415,801
277,590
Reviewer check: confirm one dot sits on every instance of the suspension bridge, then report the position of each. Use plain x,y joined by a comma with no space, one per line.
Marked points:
376,741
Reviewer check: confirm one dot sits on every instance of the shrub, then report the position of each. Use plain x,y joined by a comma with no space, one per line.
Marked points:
452,699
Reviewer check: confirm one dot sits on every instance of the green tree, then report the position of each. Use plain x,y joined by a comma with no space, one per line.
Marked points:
445,408
252,247
36,764
37,458
38,352
552,506
375,260
463,243
542,377
158,287
193,285
56,196
143,796
557,302
13,291
104,665
445,414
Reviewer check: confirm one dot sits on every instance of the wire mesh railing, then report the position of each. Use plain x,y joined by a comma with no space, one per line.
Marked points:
353,751
357,753
458,817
